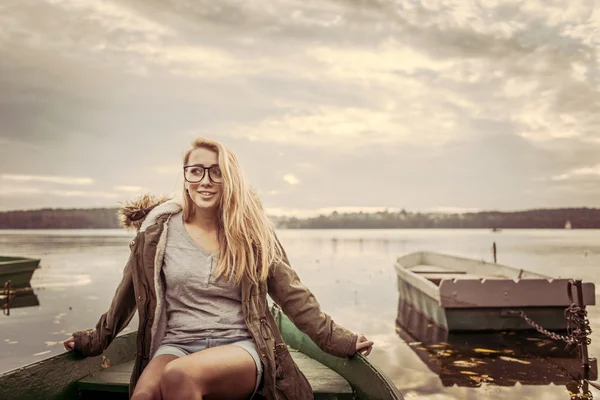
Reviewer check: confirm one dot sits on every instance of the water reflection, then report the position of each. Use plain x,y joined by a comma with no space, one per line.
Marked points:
494,358
17,298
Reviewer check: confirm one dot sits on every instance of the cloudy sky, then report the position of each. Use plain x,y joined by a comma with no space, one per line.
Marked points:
342,104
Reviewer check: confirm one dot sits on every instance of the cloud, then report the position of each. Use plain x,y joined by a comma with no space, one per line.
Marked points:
12,190
291,179
63,180
586,172
80,193
450,102
133,189
18,191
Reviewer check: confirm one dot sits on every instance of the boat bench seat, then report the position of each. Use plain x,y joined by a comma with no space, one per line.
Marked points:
113,382
437,278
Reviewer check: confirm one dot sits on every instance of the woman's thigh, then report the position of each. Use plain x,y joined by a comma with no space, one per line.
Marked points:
222,372
148,385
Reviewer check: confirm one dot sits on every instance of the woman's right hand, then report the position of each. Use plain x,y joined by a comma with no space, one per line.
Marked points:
69,343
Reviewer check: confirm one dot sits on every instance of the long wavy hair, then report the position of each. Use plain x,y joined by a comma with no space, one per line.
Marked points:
248,245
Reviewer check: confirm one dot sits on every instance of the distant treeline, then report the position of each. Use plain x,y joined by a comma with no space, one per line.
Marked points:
578,218
91,218
106,218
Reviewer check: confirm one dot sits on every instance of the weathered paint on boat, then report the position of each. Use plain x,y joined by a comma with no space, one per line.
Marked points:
18,270
57,378
460,294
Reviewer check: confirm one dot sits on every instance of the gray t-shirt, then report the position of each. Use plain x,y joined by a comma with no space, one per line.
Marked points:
198,305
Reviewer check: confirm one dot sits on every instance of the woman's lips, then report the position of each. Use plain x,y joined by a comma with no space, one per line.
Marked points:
206,194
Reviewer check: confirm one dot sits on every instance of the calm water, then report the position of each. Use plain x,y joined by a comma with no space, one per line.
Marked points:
351,273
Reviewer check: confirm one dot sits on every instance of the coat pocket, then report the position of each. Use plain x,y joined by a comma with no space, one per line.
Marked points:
290,382
283,383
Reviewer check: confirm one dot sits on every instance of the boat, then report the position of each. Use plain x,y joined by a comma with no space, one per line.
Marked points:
68,376
568,225
18,270
474,359
461,294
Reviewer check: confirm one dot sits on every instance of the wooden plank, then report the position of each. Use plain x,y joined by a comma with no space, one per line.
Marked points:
493,319
445,271
508,293
426,268
421,302
475,267
107,381
323,380
427,287
56,377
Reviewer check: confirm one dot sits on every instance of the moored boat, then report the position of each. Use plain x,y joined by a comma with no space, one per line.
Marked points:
67,376
18,270
461,294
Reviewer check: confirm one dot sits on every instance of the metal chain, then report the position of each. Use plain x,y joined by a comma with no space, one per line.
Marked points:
581,384
7,293
578,326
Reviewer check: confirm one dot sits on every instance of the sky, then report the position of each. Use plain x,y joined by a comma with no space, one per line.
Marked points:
423,105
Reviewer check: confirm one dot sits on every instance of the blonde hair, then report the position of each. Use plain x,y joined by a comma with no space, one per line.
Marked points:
248,245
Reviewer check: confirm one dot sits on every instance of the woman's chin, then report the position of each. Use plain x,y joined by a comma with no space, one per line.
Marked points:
205,204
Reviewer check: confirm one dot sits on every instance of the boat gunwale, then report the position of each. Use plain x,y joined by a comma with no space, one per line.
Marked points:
451,291
49,379
425,255
19,264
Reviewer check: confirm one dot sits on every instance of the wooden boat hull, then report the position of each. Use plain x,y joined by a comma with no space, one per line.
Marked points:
480,318
62,377
368,381
18,270
468,295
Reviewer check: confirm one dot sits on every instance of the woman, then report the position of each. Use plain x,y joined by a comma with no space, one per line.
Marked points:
198,275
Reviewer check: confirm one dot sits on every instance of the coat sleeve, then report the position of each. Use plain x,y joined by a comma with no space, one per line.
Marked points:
303,309
93,342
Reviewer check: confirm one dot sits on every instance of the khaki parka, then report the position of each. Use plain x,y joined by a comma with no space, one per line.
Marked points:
142,289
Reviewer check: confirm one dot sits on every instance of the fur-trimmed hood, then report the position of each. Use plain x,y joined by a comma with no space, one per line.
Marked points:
143,211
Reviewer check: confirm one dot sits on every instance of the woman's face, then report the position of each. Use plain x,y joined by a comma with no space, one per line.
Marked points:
205,193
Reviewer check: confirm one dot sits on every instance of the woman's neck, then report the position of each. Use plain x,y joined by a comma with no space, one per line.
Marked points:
205,219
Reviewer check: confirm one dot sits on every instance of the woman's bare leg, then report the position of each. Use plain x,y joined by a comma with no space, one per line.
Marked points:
225,372
148,386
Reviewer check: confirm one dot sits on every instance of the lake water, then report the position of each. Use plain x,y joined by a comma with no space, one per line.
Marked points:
351,273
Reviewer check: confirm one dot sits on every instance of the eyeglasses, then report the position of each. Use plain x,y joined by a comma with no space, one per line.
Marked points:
195,173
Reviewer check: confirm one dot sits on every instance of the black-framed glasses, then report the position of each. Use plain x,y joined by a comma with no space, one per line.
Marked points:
195,173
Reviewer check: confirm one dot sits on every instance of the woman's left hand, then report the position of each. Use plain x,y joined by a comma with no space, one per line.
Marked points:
364,345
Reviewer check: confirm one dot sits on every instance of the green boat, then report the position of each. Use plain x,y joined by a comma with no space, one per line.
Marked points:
18,270
68,376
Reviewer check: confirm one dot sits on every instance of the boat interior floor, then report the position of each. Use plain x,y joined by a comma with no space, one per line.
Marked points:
113,382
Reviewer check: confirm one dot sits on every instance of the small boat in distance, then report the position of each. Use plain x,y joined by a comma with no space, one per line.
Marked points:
107,376
461,294
568,225
18,270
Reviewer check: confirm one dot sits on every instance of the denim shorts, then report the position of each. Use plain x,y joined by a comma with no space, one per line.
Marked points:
183,349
